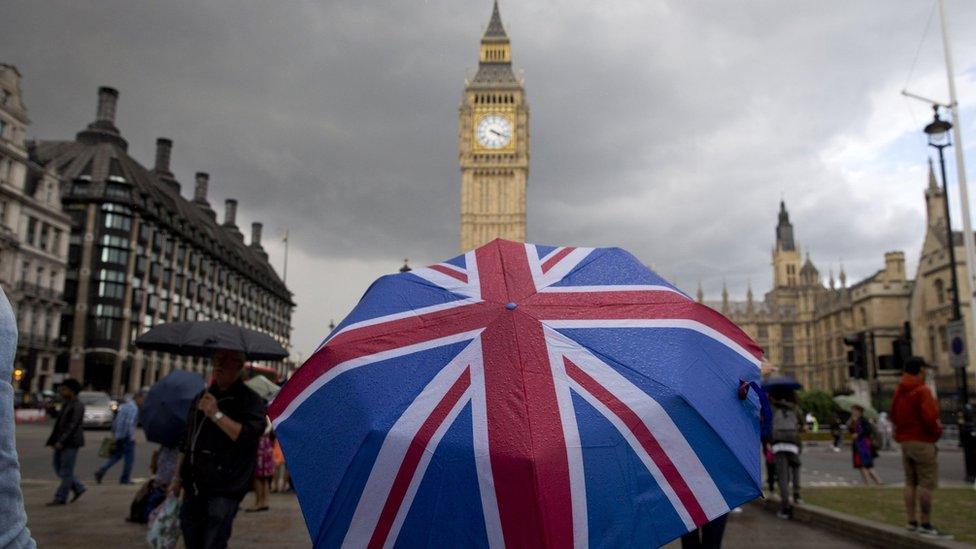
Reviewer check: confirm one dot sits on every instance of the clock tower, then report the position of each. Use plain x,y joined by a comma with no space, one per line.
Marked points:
493,145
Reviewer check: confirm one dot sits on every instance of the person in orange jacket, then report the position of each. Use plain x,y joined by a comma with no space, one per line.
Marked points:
915,414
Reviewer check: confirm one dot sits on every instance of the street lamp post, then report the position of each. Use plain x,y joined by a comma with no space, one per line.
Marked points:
938,136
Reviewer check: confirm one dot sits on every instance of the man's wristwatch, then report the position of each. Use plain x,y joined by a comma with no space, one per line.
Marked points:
218,416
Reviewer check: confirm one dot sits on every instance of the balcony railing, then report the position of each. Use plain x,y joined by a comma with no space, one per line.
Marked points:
39,292
38,341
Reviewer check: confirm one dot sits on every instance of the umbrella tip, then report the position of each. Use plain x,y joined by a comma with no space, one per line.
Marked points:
511,306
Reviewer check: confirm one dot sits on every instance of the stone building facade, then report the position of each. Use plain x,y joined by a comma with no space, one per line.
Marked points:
140,254
493,143
801,322
33,242
931,301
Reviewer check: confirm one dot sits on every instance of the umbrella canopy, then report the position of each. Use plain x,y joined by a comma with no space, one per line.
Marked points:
204,337
785,383
523,395
263,386
163,413
846,402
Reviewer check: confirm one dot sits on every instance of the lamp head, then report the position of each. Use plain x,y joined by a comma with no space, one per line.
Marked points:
938,130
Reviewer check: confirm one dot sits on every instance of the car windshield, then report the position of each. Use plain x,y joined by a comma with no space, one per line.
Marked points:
97,399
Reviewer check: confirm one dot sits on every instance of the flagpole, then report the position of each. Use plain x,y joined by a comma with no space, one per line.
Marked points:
284,272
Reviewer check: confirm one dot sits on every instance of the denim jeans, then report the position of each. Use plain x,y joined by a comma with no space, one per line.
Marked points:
206,521
125,450
64,466
13,519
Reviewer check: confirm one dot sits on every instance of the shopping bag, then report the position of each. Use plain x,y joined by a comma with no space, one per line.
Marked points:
164,524
107,448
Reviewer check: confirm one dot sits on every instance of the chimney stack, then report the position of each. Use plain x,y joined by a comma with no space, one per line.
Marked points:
230,213
200,191
107,99
256,234
164,147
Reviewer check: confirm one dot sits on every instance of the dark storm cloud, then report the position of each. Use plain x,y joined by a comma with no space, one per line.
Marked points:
670,128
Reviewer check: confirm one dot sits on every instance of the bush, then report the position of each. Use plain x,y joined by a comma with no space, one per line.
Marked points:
818,403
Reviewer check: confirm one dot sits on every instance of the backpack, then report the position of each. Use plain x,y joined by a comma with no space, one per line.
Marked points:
786,425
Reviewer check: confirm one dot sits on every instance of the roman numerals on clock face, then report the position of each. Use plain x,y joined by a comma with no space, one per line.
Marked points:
494,131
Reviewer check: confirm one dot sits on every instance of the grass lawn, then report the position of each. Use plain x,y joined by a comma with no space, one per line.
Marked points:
953,511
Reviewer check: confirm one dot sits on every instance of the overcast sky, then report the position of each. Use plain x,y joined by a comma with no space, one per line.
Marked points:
670,128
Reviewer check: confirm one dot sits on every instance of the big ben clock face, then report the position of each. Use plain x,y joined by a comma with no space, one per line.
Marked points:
494,131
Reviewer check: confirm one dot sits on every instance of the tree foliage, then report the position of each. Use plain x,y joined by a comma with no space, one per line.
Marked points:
819,403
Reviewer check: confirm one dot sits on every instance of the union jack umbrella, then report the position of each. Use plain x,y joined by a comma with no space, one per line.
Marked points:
527,396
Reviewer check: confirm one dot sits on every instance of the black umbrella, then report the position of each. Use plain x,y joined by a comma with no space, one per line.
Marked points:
205,337
163,413
786,383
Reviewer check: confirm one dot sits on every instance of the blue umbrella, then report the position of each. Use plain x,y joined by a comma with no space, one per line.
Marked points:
781,383
163,414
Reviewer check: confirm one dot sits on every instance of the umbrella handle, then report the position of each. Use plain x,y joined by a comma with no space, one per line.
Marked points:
766,413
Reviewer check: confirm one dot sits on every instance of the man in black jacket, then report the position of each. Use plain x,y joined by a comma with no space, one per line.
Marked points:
219,453
66,438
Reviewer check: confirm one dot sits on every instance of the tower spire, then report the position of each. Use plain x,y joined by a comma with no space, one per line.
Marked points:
495,28
933,185
784,230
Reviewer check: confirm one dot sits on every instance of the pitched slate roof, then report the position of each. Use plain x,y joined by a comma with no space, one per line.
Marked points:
96,167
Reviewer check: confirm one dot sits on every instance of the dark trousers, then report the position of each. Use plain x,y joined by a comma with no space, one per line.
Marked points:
787,468
64,466
709,536
125,450
206,521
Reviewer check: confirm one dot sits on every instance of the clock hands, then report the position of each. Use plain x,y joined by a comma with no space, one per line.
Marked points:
499,134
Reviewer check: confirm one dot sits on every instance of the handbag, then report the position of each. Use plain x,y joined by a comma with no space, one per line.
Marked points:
107,448
164,524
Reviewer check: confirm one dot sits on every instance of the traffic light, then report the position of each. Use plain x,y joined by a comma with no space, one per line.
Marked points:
857,356
18,374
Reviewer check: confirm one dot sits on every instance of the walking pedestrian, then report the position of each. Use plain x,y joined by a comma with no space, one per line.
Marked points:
770,458
787,426
124,432
280,481
835,433
263,471
862,444
915,414
885,430
66,438
224,427
707,536
13,519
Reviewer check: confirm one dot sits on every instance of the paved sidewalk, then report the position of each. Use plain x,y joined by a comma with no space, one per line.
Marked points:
97,520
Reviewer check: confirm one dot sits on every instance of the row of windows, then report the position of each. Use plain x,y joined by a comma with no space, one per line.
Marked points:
494,98
43,236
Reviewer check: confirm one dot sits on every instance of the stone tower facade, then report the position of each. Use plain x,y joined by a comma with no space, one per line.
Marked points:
493,145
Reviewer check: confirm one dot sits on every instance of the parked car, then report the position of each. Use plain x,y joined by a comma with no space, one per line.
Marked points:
98,409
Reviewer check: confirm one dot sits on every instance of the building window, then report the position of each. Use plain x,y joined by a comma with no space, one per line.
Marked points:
111,284
117,217
31,231
119,192
939,291
115,255
787,332
943,340
788,357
